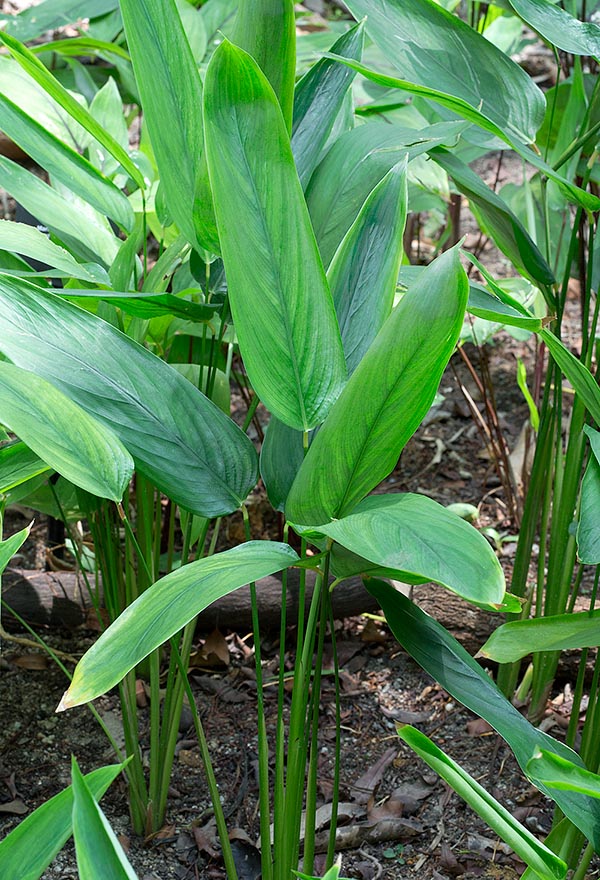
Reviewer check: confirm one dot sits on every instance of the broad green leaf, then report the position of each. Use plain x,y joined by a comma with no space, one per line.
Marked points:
484,304
165,608
64,163
18,464
8,548
318,100
282,308
34,67
53,14
160,52
281,455
150,305
448,663
177,437
559,632
30,242
266,30
195,30
496,218
88,235
354,166
558,27
27,851
556,772
416,536
542,860
431,47
572,192
577,373
588,529
385,399
96,846
63,434
363,273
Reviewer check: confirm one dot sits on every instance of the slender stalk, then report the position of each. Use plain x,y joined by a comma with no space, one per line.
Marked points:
279,788
335,798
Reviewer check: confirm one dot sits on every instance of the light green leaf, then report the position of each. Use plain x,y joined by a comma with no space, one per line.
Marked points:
588,529
177,437
64,163
534,416
53,14
18,464
165,608
385,398
543,861
318,100
161,52
62,434
484,304
431,47
96,845
363,273
577,373
30,242
281,305
559,632
449,664
266,30
556,772
77,46
417,537
558,27
8,548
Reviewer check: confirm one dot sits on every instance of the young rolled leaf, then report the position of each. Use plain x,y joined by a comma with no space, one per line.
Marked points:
577,373
417,537
63,434
364,271
9,547
385,398
494,215
543,861
439,654
266,30
165,608
18,464
27,851
318,99
96,844
30,242
556,772
588,528
160,52
281,305
559,632
430,46
559,27
64,164
191,451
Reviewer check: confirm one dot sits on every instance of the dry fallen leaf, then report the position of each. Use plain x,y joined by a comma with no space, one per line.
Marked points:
478,727
16,807
31,661
364,787
206,838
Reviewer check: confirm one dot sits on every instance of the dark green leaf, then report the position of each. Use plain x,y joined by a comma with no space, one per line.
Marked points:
484,304
588,529
577,373
18,464
281,455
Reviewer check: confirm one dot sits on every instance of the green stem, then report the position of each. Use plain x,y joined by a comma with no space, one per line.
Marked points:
335,798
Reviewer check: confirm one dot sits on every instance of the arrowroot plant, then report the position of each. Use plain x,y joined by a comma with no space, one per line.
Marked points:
280,226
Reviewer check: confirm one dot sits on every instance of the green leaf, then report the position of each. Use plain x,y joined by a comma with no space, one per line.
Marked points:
534,416
87,235
416,536
29,241
558,27
281,455
588,528
64,163
363,273
266,30
165,608
62,434
439,654
559,632
385,398
318,99
484,304
494,215
542,860
556,772
577,373
18,464
353,167
27,851
150,305
8,548
177,437
160,52
96,844
430,46
282,308
53,14
77,46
